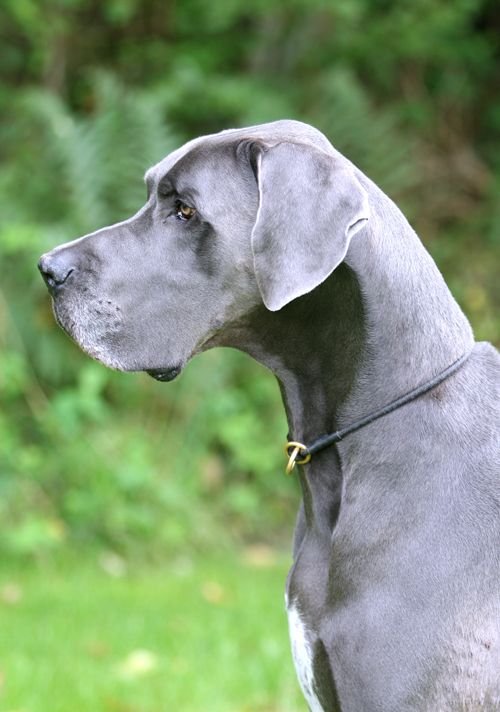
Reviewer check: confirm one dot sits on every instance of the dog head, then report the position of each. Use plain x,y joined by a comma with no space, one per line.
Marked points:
233,221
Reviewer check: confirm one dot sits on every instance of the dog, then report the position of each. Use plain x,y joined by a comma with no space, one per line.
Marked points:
268,240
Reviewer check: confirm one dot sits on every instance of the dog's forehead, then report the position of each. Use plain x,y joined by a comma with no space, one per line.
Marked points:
270,133
155,173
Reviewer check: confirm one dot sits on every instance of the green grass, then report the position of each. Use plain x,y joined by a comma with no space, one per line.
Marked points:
197,633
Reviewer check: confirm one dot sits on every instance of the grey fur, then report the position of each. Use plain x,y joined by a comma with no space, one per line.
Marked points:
396,550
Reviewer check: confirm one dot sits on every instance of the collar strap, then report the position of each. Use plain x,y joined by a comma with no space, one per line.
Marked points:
300,454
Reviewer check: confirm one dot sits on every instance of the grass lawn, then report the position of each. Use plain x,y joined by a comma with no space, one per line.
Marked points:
201,633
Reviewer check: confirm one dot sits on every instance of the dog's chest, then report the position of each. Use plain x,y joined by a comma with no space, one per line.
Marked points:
302,652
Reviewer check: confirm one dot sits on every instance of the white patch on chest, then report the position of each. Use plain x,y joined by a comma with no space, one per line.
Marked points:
302,658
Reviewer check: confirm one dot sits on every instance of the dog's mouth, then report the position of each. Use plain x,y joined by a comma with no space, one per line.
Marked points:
164,374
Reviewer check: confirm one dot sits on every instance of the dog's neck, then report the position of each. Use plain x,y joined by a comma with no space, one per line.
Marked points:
413,326
383,323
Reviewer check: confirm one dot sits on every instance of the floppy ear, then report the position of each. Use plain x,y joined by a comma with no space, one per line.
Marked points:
310,206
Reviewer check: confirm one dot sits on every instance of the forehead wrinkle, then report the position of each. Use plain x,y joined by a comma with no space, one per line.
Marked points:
197,169
163,167
201,173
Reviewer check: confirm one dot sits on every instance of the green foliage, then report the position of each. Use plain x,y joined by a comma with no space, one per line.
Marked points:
88,169
74,456
94,93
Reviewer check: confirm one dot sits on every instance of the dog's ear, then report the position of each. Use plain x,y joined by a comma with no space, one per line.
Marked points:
310,206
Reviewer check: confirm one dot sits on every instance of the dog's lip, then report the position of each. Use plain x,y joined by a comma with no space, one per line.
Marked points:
164,374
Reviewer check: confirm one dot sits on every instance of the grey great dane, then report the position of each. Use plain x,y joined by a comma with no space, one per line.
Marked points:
268,240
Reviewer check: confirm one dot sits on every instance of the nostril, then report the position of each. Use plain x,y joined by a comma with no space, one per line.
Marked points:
54,272
63,277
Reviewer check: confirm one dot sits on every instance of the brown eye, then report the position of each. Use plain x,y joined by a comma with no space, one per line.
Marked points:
184,212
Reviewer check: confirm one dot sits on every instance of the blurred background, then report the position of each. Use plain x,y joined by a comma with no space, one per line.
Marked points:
145,528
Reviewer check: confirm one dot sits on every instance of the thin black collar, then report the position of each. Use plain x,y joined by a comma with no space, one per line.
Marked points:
300,454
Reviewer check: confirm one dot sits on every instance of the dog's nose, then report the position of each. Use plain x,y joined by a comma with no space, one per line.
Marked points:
55,270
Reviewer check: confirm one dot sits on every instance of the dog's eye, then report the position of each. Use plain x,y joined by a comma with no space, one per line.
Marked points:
184,212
